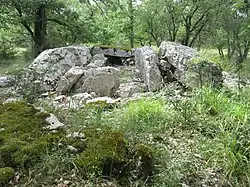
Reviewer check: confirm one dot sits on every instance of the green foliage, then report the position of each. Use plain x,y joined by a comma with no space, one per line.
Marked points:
6,174
224,120
7,49
145,155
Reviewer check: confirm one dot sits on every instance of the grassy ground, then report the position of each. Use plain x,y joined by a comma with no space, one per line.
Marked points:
202,140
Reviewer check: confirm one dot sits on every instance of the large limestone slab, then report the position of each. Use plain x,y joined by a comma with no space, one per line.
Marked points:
104,81
52,64
146,61
203,73
176,57
69,79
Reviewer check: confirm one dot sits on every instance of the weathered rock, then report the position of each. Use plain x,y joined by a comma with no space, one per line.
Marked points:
98,60
54,123
176,55
128,89
6,81
51,64
146,62
69,79
72,149
203,73
73,102
103,101
104,81
95,50
78,100
76,135
12,100
64,56
231,80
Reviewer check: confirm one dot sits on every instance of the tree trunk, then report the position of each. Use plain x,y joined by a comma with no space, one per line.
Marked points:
131,17
40,31
246,49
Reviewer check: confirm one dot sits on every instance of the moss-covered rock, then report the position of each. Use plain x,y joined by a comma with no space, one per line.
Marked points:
105,155
145,155
23,137
6,174
109,154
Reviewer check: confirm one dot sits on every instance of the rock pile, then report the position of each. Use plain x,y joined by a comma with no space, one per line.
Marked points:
74,69
87,73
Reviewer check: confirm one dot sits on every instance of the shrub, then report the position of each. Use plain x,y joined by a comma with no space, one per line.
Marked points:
7,49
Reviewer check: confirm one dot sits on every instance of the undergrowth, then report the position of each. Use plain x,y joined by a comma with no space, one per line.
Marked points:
201,139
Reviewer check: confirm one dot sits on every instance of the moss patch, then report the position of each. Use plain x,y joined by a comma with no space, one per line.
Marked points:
109,154
105,156
6,174
22,137
145,155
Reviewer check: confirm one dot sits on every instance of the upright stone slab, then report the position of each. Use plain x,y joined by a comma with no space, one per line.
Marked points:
146,63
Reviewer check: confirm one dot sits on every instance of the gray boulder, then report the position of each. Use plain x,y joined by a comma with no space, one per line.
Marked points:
146,61
104,81
6,81
129,89
176,56
231,80
52,64
69,79
98,60
203,73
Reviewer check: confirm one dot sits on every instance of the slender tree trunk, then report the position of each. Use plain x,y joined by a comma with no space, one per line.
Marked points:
220,50
131,17
246,50
40,31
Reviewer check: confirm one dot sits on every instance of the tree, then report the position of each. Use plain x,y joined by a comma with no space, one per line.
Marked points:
184,20
37,16
234,29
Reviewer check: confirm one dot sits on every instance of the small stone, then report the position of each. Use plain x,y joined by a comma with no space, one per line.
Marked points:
72,149
54,123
